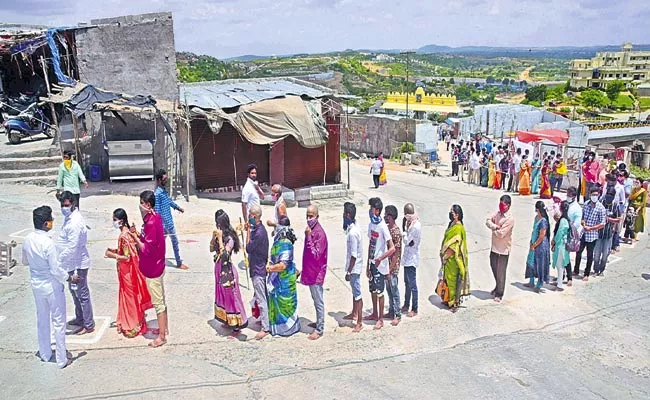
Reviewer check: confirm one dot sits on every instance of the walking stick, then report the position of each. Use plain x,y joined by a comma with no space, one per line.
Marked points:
245,255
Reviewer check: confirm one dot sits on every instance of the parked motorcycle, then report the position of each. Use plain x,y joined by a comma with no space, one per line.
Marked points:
10,106
30,122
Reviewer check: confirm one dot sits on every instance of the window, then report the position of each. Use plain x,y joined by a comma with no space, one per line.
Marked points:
624,75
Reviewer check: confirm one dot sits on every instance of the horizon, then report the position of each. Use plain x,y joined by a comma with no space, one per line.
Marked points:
219,28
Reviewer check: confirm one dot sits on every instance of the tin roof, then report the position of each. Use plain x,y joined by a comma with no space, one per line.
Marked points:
237,92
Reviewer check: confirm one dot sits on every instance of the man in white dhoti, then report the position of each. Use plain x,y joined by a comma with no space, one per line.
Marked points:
47,281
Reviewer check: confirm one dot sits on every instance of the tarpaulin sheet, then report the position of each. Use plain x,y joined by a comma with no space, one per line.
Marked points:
92,99
56,58
270,121
554,135
29,46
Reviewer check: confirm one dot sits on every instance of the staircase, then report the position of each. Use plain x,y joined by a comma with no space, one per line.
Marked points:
34,163
316,194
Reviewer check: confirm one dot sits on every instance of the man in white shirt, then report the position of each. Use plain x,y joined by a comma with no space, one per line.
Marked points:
380,248
47,279
517,163
474,165
353,263
74,258
279,208
250,194
412,233
375,170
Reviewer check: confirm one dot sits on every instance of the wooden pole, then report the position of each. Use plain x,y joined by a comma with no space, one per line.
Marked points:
189,149
55,122
75,127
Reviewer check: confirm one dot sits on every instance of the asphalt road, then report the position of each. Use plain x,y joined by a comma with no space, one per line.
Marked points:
589,342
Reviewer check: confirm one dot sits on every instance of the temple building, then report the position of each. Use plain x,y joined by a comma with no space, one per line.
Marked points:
421,103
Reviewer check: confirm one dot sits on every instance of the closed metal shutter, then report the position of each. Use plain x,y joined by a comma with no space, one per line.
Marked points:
334,150
213,157
302,166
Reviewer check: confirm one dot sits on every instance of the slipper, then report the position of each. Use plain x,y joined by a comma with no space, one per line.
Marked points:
154,345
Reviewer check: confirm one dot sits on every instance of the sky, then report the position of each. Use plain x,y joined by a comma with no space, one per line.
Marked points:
228,28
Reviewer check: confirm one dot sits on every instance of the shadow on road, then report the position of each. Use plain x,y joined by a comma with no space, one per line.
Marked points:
482,295
224,331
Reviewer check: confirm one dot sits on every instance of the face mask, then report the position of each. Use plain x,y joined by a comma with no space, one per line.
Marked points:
67,163
164,183
375,219
275,197
311,222
117,224
144,210
346,223
594,198
503,208
570,199
66,211
251,221
451,216
48,225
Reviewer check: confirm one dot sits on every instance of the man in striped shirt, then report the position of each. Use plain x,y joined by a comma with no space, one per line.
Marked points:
164,205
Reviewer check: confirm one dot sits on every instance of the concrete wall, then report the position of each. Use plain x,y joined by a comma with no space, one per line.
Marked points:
373,134
133,55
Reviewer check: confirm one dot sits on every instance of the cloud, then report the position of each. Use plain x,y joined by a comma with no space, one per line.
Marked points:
226,28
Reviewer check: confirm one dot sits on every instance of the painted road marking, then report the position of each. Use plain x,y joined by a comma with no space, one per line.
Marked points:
613,259
101,325
21,234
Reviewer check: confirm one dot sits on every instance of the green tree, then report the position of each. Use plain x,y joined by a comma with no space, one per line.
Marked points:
614,88
556,93
593,98
536,93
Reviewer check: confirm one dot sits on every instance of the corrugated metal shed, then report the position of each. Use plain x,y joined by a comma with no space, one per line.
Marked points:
234,93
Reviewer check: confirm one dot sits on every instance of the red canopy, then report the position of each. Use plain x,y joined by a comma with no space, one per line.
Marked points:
554,135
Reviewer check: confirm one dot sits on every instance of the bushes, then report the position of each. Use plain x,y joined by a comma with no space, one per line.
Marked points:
565,109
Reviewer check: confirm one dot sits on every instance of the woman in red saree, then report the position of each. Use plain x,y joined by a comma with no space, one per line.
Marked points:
133,295
545,191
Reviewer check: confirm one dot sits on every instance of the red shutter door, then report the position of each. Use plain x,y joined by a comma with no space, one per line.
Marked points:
334,150
213,157
302,166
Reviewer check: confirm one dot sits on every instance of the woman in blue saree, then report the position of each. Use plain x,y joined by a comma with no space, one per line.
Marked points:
539,256
281,282
536,165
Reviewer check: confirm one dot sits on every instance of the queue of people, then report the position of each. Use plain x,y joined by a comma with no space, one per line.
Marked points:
140,260
508,169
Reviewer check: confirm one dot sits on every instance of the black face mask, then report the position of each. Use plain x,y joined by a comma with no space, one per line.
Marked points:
451,216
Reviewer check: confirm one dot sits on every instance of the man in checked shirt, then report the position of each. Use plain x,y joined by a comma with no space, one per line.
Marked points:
164,205
593,220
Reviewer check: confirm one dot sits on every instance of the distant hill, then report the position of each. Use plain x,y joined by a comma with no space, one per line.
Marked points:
567,52
246,58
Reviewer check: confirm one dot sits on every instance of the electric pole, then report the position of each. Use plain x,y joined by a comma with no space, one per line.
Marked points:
407,53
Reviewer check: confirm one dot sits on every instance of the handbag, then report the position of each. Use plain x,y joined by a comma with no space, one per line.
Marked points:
442,289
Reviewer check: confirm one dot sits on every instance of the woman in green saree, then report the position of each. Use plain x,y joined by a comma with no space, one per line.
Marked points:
453,255
638,200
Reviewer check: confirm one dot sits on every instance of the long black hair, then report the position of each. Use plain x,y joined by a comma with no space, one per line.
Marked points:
459,211
223,223
539,206
564,209
121,215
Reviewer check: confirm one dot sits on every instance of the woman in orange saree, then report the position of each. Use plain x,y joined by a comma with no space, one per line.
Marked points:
524,177
133,295
545,191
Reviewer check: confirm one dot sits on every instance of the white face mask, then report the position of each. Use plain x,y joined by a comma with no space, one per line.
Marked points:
570,199
117,224
594,198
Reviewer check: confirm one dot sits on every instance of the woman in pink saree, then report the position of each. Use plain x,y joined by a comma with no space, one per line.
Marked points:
228,305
